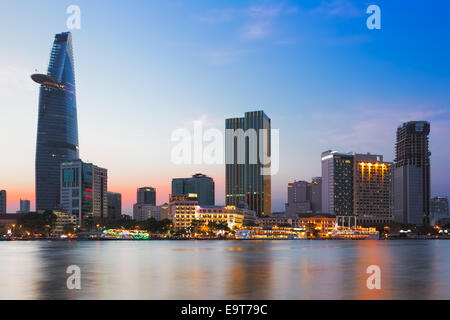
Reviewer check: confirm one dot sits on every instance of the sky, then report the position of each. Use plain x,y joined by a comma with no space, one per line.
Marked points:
147,68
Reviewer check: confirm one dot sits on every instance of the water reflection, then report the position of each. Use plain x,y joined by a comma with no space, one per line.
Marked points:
225,269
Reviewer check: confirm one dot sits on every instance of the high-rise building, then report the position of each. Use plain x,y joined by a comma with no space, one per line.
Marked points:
304,197
199,184
247,142
24,206
146,195
357,185
3,201
439,205
298,200
372,188
99,192
315,194
412,174
337,183
57,132
114,205
84,190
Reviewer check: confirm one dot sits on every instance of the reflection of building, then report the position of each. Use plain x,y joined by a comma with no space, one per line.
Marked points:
63,219
57,132
199,184
186,209
337,183
412,174
83,190
372,188
146,195
304,197
114,206
3,201
247,140
24,206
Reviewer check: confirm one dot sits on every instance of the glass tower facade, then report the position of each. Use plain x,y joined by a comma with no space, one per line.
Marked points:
57,132
244,181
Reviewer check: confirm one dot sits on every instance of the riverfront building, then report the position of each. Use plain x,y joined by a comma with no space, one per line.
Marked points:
114,206
412,174
84,190
247,179
304,197
185,209
57,132
337,183
199,184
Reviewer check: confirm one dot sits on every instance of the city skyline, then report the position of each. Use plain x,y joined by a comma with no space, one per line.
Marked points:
373,110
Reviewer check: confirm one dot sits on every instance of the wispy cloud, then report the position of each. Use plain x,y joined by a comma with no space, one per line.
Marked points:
338,8
222,56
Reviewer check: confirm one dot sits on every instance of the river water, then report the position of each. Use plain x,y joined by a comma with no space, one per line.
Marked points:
302,269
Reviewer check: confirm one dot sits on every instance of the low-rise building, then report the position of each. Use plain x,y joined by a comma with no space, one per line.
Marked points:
63,219
185,209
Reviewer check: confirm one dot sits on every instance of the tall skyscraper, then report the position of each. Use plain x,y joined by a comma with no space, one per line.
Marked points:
146,195
247,139
199,184
114,205
412,174
3,201
337,183
57,132
84,190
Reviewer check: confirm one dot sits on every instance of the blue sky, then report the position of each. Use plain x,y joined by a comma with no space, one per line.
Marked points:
146,68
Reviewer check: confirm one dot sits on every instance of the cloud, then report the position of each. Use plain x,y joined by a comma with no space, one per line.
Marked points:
222,57
338,8
373,129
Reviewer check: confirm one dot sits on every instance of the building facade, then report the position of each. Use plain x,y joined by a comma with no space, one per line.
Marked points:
146,195
439,205
24,206
304,197
199,184
372,188
114,206
84,190
3,206
337,183
412,174
247,140
57,132
143,212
